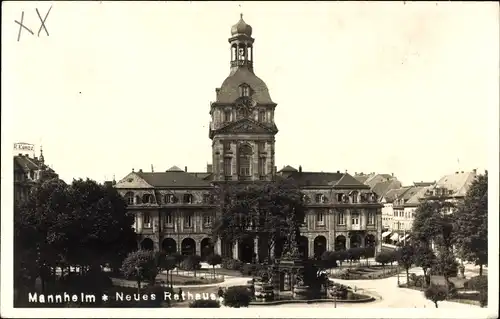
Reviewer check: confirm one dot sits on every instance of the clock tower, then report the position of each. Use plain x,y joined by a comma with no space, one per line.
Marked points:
242,128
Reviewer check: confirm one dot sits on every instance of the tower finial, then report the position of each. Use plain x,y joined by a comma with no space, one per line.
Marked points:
241,15
41,155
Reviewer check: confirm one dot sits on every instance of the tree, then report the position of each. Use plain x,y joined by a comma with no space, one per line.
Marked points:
446,264
471,224
406,258
268,209
166,263
383,258
433,223
140,265
436,293
192,262
214,260
237,297
424,258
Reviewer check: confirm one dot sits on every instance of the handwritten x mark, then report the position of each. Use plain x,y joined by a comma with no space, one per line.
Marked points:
43,26
21,26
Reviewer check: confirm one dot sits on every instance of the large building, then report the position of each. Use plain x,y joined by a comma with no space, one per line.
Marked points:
400,204
173,208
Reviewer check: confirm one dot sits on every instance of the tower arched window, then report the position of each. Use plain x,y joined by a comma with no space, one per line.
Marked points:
245,158
244,90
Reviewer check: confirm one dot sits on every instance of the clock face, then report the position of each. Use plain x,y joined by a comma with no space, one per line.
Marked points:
241,52
246,103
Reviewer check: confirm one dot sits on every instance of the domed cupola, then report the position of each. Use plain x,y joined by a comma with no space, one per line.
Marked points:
241,28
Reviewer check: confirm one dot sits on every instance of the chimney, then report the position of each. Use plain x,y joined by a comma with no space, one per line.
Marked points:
132,169
185,169
20,154
462,172
474,171
338,172
392,174
275,169
456,172
300,168
209,168
140,170
355,173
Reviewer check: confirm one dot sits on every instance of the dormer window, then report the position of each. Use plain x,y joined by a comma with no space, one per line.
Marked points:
170,199
188,198
129,198
244,90
147,199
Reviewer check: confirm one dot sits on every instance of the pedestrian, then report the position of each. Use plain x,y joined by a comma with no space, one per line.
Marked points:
220,292
180,295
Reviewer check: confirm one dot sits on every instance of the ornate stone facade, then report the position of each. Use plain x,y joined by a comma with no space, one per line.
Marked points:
173,210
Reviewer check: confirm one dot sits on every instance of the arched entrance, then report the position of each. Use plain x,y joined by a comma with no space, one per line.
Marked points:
370,240
319,246
206,248
246,250
340,242
188,247
304,246
355,241
147,244
169,246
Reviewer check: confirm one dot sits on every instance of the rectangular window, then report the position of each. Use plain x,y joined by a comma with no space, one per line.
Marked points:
227,116
355,219
371,219
320,219
262,166
262,116
340,219
227,166
168,219
207,220
188,220
244,166
146,220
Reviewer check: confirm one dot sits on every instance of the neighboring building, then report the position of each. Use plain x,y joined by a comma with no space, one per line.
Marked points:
452,187
399,208
380,184
173,208
27,171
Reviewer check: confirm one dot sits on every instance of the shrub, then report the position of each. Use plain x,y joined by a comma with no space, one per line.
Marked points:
478,283
237,296
204,303
140,265
231,264
436,293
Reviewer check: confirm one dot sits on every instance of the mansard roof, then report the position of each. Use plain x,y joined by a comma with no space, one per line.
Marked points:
321,179
175,178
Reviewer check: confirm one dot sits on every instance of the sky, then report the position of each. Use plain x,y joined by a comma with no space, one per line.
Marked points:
388,87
